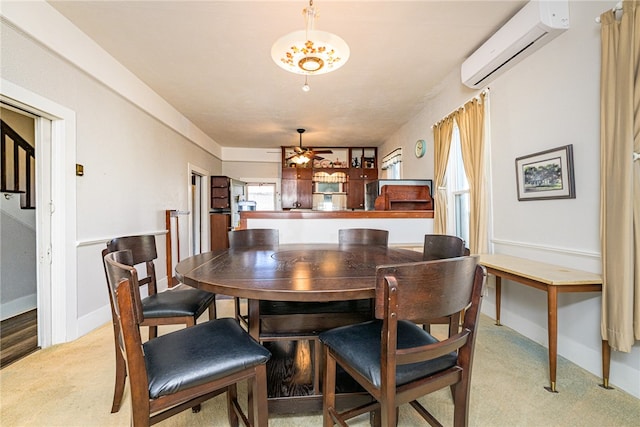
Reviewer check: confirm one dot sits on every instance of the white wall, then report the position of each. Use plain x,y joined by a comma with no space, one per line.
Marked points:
135,167
548,100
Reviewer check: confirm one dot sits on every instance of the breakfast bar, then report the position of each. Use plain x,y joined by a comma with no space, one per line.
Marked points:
406,228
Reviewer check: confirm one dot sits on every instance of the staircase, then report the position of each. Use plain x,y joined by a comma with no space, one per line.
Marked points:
17,166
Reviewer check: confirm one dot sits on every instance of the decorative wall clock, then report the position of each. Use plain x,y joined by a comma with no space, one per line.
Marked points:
421,147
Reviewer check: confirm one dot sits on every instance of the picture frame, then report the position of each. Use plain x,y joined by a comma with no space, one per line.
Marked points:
546,175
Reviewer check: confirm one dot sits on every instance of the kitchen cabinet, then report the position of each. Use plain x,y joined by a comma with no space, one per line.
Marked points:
220,192
219,226
358,180
297,188
360,164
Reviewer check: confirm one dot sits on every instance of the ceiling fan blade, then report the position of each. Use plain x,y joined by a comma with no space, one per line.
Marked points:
323,151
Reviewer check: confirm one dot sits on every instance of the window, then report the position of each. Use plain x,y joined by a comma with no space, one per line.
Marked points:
457,190
391,164
264,194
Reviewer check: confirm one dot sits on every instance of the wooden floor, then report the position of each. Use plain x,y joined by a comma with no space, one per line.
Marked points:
18,337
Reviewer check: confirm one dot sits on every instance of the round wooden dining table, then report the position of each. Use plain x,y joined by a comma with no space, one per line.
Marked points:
293,273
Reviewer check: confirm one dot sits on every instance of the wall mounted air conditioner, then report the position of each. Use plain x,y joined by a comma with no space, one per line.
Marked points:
537,23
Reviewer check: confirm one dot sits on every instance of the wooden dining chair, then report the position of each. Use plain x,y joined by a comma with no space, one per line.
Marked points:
182,369
178,305
363,236
397,361
249,238
441,246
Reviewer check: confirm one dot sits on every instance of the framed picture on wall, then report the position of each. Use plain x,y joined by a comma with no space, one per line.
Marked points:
546,175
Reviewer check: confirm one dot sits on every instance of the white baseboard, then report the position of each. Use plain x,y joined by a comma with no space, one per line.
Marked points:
93,320
18,306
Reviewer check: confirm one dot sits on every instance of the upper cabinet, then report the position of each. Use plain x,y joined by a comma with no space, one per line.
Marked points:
363,158
359,165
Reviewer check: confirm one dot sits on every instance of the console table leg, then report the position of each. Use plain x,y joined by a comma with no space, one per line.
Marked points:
498,298
606,364
552,326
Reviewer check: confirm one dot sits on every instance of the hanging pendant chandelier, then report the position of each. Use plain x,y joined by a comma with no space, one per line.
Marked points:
310,51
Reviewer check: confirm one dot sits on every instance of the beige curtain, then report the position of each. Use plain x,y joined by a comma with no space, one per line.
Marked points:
620,176
471,124
442,133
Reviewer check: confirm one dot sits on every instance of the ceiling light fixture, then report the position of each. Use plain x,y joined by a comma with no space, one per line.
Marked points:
310,51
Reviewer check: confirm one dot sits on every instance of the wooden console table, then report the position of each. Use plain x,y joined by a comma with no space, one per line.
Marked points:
552,279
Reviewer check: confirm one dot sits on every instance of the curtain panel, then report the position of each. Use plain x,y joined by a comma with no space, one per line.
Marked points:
470,121
442,133
620,175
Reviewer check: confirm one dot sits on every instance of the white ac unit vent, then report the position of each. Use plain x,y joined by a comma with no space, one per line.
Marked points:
536,24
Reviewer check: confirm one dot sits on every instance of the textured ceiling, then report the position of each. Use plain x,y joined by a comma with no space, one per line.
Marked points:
211,61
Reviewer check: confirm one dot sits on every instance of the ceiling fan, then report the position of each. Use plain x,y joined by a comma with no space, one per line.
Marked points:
303,155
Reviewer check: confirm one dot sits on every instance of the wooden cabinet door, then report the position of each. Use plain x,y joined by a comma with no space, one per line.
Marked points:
297,188
289,193
355,196
219,224
305,193
358,180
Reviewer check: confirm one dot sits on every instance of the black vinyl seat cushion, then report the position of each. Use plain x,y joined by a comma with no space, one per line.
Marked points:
199,354
360,346
177,303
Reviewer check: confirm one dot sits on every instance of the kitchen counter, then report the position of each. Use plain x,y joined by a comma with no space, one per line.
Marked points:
406,228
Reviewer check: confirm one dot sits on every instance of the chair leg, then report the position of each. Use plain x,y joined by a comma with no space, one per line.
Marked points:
388,413
232,396
153,332
461,405
258,397
121,377
212,310
329,392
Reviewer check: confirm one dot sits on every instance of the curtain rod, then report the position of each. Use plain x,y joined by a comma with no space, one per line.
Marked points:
483,92
614,9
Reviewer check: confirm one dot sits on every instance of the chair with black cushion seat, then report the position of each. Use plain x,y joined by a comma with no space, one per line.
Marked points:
441,246
393,358
363,236
178,305
182,369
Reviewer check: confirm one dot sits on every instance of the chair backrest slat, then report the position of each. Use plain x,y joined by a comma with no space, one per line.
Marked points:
428,289
253,237
143,248
441,246
143,251
363,236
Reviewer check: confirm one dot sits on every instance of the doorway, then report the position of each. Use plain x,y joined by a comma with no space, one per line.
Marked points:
55,143
198,209
18,264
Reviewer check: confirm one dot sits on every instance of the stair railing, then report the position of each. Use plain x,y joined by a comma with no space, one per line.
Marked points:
17,166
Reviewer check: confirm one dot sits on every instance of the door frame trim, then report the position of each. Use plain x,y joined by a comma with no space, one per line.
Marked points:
57,300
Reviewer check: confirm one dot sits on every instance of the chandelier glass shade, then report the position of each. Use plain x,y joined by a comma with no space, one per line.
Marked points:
310,51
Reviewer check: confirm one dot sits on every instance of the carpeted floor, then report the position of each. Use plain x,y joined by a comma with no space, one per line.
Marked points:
72,385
